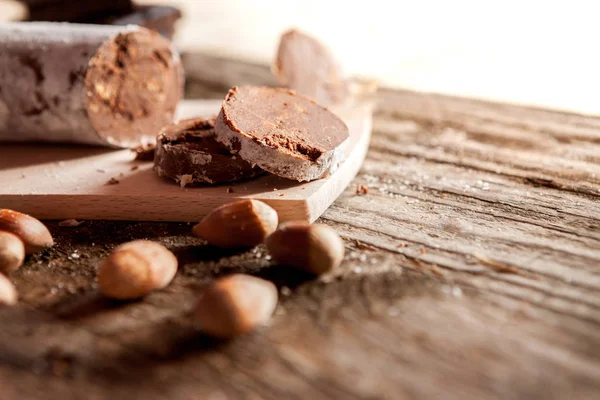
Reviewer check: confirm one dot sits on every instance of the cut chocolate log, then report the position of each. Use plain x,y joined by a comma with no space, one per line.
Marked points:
91,84
75,11
307,66
188,153
159,18
282,132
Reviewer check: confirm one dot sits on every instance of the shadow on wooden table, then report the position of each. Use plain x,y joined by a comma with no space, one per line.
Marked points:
279,275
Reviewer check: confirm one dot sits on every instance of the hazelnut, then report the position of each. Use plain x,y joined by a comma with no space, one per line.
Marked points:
235,305
12,252
243,223
135,269
32,232
8,293
313,248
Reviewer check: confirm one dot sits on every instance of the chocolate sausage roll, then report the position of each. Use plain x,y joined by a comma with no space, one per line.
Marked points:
92,84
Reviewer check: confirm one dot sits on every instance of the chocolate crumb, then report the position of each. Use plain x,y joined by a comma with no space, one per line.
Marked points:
422,250
144,152
134,168
362,189
364,246
229,190
112,181
299,141
281,194
501,267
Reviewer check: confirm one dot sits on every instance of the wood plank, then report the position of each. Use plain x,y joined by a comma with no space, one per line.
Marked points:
469,273
62,182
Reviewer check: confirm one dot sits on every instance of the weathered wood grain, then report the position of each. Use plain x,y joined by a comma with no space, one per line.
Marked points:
472,271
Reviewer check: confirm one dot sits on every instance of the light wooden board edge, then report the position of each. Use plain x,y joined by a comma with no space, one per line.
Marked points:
174,207
347,172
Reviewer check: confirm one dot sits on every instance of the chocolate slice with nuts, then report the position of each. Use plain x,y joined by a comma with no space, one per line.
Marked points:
188,153
282,132
133,84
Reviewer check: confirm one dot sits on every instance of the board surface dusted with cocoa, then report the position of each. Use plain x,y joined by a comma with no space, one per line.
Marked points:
471,271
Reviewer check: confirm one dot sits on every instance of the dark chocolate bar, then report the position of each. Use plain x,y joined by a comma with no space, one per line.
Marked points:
188,153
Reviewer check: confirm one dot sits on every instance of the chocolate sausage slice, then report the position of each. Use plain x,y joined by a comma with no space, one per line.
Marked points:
75,11
309,67
282,132
188,153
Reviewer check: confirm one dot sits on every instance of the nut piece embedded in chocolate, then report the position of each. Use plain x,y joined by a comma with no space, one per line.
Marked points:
307,66
188,153
282,132
144,152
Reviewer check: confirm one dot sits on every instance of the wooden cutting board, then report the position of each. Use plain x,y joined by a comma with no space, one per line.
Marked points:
63,182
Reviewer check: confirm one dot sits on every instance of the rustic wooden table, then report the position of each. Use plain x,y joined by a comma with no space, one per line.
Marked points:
472,271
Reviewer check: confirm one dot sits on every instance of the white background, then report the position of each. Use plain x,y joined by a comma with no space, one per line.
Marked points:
543,53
